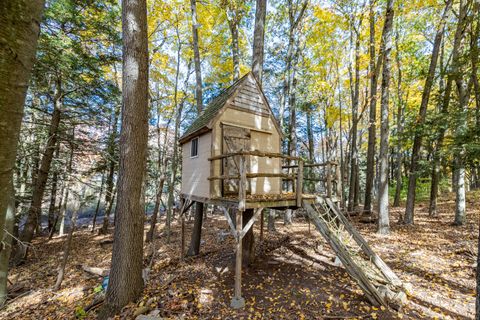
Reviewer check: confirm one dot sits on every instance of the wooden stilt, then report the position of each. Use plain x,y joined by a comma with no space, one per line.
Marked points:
237,301
183,238
261,225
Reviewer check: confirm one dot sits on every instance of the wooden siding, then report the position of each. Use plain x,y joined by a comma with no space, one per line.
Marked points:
195,171
265,139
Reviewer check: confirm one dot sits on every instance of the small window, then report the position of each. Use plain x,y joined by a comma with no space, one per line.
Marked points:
194,149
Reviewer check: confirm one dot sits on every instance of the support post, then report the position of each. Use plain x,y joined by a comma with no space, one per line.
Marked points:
242,185
182,216
261,225
299,186
238,301
329,179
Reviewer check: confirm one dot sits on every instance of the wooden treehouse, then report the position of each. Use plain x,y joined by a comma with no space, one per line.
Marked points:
231,157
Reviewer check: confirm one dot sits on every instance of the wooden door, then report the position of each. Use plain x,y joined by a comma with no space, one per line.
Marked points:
234,139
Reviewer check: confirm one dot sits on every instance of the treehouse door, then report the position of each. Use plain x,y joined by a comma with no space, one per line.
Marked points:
235,139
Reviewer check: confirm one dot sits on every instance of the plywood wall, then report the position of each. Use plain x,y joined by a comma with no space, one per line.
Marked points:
195,171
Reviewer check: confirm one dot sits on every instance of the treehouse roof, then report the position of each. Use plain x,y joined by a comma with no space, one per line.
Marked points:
206,119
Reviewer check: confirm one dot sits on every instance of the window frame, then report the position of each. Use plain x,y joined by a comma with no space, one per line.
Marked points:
192,148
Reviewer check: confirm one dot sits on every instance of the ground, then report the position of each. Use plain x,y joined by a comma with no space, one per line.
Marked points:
294,276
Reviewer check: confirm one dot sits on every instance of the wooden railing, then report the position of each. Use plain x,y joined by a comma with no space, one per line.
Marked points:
294,177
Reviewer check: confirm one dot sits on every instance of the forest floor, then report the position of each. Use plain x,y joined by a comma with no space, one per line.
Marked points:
294,276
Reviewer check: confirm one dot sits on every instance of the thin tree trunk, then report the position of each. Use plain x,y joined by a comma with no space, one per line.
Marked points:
173,165
7,246
20,21
111,152
417,142
63,207
68,244
126,283
258,39
196,58
53,193
35,207
233,24
194,248
400,116
354,151
383,207
156,209
97,208
271,220
372,117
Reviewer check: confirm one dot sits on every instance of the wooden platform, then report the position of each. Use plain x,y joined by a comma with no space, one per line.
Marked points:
274,201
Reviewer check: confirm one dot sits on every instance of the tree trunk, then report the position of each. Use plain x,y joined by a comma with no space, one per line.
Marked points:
248,241
173,165
271,220
109,193
126,283
383,207
99,200
20,21
53,194
63,206
233,24
194,248
372,117
68,243
400,116
156,209
354,151
258,39
417,142
196,58
7,246
36,204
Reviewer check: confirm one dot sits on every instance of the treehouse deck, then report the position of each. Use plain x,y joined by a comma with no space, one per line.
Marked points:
255,201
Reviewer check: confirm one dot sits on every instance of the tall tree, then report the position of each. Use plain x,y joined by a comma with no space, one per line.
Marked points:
417,142
126,281
372,116
383,214
258,39
196,57
20,22
463,93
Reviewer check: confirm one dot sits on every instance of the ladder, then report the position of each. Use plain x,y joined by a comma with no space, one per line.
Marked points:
379,283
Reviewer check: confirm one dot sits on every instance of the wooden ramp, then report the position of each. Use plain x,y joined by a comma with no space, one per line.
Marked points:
377,280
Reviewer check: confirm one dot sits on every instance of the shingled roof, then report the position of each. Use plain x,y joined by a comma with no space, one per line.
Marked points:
211,110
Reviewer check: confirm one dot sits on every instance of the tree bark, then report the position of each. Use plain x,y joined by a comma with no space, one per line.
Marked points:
111,152
20,21
258,39
35,208
68,244
400,120
248,241
271,220
194,248
126,283
383,207
156,209
463,90
7,245
99,200
354,150
233,25
63,206
196,58
372,117
53,193
417,142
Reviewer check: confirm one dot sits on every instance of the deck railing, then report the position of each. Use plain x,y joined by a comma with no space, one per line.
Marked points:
293,179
